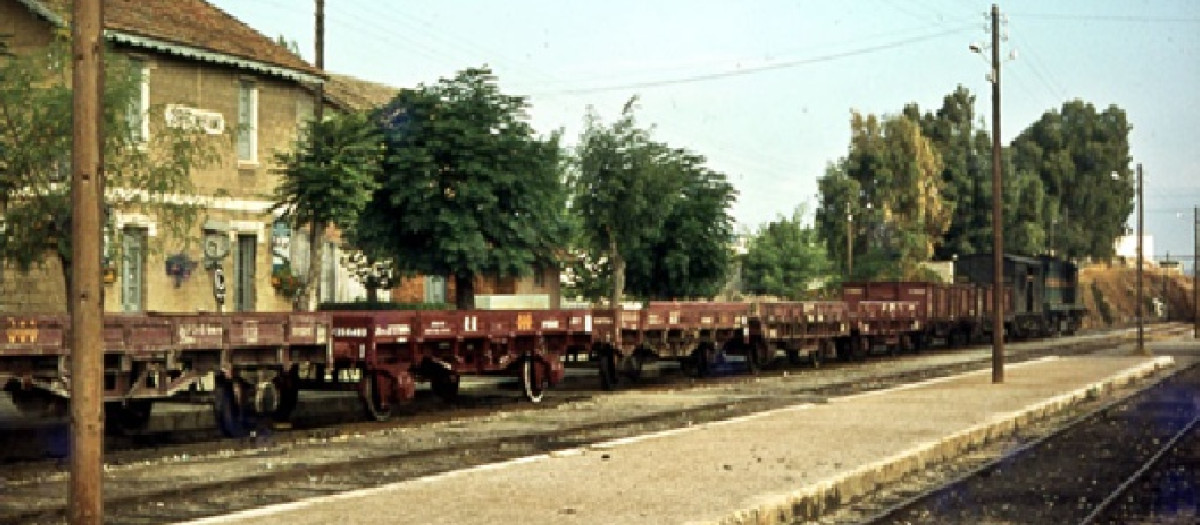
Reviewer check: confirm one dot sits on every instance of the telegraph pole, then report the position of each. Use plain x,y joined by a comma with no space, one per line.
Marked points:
86,302
1141,345
997,213
320,57
1196,272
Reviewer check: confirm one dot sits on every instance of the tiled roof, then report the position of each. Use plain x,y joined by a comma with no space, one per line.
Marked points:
356,94
191,23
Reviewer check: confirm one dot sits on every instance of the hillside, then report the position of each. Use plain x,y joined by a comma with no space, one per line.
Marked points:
1110,294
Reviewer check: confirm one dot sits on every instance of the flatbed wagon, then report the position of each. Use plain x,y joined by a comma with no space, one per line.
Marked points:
389,351
247,364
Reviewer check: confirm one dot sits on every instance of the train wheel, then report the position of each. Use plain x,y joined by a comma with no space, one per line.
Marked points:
608,368
376,389
445,386
287,385
793,357
760,355
128,416
634,364
535,378
703,356
227,408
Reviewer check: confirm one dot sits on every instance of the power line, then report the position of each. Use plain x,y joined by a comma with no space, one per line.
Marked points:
1108,18
768,67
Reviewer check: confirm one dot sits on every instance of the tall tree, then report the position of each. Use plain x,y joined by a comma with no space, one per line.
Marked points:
146,175
964,146
690,255
784,258
467,188
327,179
1081,157
621,190
898,174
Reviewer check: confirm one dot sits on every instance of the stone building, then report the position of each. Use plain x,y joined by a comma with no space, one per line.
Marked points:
201,64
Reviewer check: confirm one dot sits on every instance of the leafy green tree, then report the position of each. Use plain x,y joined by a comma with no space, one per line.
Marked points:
1075,152
964,146
621,190
327,179
690,256
784,257
467,189
890,183
144,175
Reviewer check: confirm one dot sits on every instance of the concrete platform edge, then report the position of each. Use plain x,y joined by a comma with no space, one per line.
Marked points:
815,499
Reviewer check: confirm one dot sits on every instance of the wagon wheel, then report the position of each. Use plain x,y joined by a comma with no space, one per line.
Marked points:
608,368
36,403
227,408
445,385
634,364
793,357
376,389
130,415
759,355
703,356
535,378
287,385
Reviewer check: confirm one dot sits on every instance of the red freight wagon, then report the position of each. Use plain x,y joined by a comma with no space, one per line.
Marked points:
946,311
388,351
802,330
249,363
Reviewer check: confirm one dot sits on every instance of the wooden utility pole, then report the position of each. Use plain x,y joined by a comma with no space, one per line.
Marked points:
312,292
1196,272
997,213
86,302
1141,262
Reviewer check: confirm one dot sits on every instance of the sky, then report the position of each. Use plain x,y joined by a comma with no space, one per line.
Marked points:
764,88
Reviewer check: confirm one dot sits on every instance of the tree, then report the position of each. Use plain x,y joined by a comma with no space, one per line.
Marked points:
690,255
146,175
327,179
466,189
965,149
1075,152
890,183
784,258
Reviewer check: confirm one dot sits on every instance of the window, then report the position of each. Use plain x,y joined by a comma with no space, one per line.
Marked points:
139,107
247,138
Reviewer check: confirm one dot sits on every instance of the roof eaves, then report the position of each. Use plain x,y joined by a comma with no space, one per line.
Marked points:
44,12
210,56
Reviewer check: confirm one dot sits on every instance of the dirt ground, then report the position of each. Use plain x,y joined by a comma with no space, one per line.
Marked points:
1110,294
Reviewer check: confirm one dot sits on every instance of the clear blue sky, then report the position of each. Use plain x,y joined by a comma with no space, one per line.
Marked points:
764,88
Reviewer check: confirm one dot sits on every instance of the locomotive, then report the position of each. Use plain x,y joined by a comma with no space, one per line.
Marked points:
251,366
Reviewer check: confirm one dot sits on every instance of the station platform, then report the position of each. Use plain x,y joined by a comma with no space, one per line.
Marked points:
772,467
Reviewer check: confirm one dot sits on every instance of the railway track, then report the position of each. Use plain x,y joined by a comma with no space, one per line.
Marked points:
1134,460
184,482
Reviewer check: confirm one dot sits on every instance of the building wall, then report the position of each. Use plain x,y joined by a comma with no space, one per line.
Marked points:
237,195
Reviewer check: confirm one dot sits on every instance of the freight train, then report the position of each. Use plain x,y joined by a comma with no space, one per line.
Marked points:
251,366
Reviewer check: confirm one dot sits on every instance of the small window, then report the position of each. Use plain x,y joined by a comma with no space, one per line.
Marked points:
139,107
247,138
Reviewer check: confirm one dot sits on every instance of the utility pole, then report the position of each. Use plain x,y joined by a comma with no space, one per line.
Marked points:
849,245
86,303
1196,272
997,212
320,57
1141,345
312,292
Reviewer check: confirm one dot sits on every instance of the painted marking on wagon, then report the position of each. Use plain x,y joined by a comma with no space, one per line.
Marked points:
189,333
393,330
